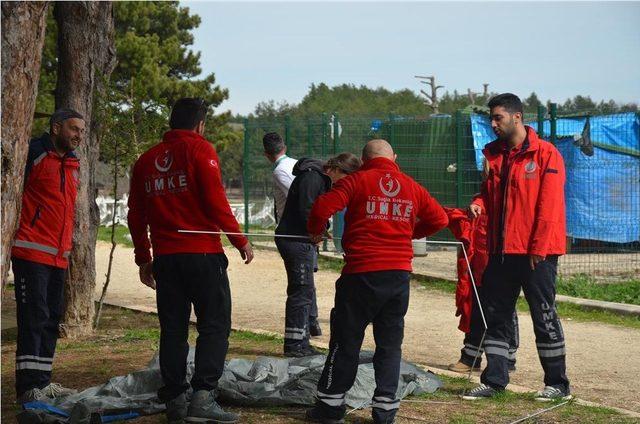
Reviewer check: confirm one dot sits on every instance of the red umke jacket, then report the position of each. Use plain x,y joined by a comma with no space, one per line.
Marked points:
383,206
532,210
473,234
177,185
48,205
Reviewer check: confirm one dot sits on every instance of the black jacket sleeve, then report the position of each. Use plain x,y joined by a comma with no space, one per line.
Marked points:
310,187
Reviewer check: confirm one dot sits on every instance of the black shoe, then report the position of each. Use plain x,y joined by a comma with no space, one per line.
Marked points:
481,392
300,353
176,410
314,329
316,415
512,367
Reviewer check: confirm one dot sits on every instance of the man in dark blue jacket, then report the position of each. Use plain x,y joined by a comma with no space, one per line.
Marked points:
299,255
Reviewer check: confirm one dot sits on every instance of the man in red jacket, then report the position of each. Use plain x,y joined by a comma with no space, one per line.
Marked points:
383,206
523,198
176,185
41,250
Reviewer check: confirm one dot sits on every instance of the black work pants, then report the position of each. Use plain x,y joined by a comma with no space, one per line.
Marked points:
39,299
182,280
473,339
301,308
381,298
503,278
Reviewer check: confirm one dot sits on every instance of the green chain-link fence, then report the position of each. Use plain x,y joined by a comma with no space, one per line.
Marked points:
440,153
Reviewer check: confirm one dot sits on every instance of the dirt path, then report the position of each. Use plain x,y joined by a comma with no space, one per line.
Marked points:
603,362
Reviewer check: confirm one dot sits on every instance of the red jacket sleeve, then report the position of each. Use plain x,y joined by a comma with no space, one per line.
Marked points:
459,224
329,203
137,217
214,199
432,217
479,199
549,207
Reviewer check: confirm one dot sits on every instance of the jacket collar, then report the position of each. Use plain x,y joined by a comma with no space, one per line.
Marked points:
380,163
280,159
530,144
177,135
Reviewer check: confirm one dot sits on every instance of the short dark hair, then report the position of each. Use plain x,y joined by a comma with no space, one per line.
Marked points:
272,143
187,113
509,101
62,115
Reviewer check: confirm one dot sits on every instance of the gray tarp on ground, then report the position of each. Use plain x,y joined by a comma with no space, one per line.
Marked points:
265,381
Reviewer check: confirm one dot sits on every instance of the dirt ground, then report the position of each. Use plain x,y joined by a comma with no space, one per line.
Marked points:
126,340
603,362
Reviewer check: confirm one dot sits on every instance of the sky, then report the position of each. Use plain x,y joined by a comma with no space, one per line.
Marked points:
264,51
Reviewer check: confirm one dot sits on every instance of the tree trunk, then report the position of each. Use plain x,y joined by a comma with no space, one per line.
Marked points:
23,25
86,58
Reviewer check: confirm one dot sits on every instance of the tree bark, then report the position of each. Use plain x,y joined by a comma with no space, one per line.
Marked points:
86,58
23,25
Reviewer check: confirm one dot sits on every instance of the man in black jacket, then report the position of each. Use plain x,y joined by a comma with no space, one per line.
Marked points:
299,255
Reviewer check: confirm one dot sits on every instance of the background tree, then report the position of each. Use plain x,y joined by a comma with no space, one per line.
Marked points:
22,41
86,58
531,103
121,141
155,66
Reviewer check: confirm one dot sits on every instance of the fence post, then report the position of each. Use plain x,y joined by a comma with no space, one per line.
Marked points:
459,141
392,132
309,138
336,133
541,111
287,131
324,135
324,153
553,111
245,175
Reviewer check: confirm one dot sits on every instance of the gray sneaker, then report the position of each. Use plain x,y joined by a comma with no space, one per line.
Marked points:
31,395
204,409
481,392
551,393
177,409
55,390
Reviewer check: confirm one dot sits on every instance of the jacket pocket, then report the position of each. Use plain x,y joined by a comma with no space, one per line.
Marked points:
36,216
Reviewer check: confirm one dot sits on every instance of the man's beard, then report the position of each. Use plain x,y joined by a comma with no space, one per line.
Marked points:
507,133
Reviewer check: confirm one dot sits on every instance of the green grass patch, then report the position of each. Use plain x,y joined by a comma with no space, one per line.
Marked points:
585,286
446,406
565,310
326,263
434,283
135,334
121,233
582,314
254,337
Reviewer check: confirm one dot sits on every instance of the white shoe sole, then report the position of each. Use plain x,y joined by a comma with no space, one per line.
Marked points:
467,397
208,420
542,399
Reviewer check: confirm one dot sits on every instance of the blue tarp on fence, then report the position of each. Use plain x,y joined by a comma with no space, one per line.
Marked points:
602,191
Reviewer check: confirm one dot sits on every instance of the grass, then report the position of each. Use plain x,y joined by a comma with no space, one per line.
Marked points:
585,286
127,340
565,310
121,236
